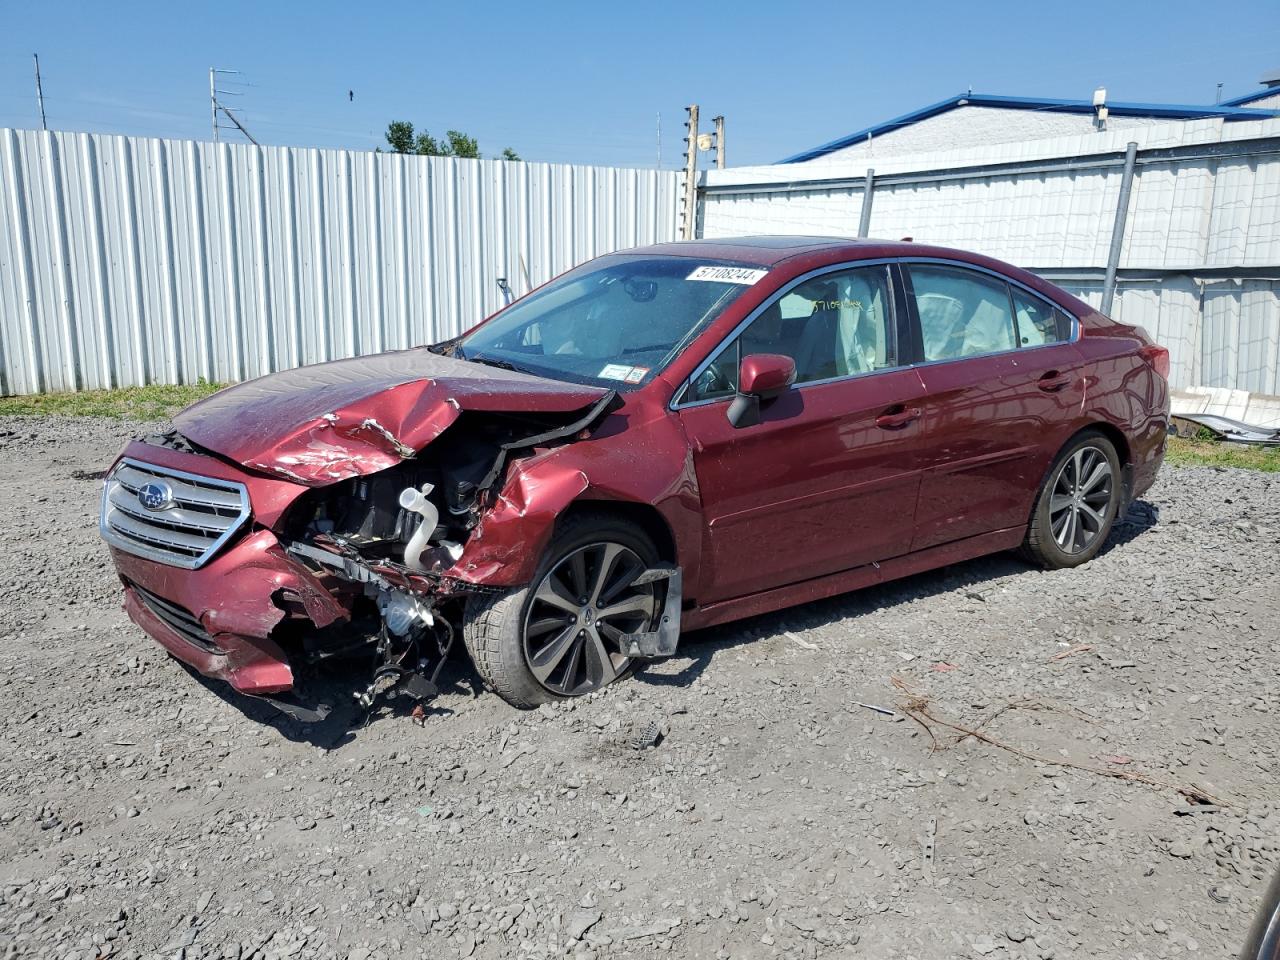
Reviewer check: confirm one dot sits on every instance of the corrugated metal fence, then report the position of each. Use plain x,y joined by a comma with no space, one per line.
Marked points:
130,261
1200,260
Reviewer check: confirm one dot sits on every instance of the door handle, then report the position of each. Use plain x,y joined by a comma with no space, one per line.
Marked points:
897,417
1053,381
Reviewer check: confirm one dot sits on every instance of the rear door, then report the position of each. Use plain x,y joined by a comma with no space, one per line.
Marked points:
1001,380
828,479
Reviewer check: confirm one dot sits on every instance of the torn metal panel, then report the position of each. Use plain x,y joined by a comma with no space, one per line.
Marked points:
330,422
655,644
506,546
1224,428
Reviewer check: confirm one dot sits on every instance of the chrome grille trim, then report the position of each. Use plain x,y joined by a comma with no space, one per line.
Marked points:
207,512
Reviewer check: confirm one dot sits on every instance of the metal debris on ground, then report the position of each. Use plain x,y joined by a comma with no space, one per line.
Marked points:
871,706
930,844
800,642
646,736
1223,428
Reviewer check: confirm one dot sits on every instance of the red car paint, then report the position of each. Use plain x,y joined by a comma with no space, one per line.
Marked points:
841,485
317,425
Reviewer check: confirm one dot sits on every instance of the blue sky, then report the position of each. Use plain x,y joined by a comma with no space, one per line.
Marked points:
584,82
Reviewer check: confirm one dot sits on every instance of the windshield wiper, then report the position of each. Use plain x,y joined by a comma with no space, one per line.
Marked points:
494,362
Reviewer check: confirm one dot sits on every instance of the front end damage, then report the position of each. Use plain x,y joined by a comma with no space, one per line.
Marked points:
360,542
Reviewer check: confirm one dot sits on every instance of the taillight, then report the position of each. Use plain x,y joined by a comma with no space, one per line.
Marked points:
1158,357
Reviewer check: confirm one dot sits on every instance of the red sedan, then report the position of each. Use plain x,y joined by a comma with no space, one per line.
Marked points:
656,441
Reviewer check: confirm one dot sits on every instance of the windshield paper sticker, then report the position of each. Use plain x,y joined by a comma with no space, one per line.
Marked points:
743,275
616,371
623,372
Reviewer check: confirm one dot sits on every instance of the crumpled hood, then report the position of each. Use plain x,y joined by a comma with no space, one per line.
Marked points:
332,421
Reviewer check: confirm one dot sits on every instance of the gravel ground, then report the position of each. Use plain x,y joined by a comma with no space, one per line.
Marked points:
142,813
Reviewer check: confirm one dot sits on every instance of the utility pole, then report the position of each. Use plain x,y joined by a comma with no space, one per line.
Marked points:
659,139
40,94
719,122
213,102
690,174
215,105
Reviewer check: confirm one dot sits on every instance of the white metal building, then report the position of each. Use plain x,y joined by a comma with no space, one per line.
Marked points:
979,119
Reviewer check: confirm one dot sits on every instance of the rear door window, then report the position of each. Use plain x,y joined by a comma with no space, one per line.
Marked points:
1038,322
962,313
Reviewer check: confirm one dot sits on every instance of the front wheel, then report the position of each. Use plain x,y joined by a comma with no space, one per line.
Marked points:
563,635
1077,504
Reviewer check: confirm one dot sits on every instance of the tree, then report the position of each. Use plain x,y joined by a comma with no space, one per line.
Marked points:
460,145
509,154
401,139
400,136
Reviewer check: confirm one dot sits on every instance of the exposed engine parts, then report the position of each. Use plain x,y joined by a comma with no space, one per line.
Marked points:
391,537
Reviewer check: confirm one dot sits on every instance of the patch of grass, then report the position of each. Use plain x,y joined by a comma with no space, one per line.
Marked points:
154,402
1197,452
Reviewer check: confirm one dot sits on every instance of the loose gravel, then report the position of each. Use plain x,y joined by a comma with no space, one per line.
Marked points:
145,813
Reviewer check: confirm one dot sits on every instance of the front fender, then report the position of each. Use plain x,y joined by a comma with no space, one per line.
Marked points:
512,535
636,460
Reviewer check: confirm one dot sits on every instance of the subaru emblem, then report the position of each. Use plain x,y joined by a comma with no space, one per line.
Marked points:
156,495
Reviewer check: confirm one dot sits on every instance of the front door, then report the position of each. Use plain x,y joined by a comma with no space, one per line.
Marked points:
828,479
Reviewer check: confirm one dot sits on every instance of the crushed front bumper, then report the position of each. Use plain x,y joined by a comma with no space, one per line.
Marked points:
219,618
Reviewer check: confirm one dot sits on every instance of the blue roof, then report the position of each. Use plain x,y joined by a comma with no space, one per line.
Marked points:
1251,97
1228,111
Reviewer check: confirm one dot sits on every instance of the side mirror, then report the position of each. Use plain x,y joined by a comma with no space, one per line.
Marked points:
761,377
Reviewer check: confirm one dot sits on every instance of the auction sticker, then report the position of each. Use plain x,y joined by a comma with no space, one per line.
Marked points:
743,275
616,371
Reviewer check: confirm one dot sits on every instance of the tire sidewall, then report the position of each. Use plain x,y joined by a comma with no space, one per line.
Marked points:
523,689
1047,544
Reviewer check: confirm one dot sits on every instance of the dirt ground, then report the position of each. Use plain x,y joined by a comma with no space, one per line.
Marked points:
146,813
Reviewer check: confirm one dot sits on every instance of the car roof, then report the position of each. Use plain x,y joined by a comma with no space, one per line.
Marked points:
766,251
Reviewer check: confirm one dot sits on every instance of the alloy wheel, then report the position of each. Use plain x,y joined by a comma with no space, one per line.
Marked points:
1080,498
580,613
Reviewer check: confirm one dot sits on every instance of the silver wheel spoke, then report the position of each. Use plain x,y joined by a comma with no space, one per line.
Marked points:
1100,472
637,604
1094,515
600,669
553,593
1059,502
550,656
1068,535
608,559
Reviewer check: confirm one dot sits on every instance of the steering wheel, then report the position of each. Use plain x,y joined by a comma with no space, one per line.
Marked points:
713,380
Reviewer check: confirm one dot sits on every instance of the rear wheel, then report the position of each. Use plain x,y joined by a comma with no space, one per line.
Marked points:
563,635
1077,504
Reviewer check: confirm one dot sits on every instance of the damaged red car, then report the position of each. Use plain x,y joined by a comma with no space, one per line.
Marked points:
659,440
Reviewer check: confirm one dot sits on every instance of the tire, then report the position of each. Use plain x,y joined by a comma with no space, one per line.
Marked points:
496,628
1052,541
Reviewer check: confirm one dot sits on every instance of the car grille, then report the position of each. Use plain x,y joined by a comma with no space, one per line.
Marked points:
181,620
201,514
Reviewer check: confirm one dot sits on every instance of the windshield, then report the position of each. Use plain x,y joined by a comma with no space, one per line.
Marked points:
615,322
